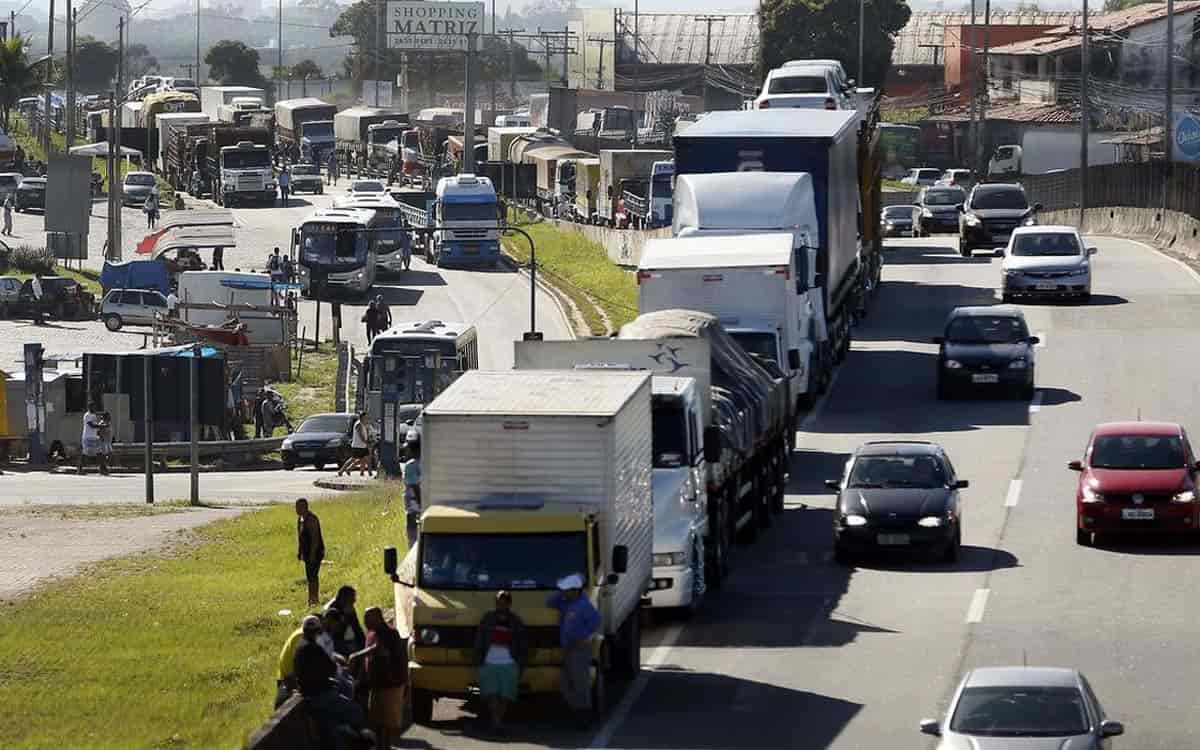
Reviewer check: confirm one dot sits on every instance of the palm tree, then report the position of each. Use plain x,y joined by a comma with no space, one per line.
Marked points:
17,76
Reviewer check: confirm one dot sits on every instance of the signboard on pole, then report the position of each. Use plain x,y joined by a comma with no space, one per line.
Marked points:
384,98
424,26
1186,135
69,204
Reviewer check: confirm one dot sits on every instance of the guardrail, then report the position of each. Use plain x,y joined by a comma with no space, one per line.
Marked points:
207,448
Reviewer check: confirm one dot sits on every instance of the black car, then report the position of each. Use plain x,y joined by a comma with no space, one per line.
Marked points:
937,210
31,193
991,213
898,495
896,221
63,297
322,439
986,348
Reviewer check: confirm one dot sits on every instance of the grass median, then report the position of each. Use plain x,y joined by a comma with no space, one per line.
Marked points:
178,649
312,391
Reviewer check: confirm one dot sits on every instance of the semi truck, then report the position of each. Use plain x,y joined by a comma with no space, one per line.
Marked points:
212,98
617,166
232,164
240,110
369,137
169,123
839,151
529,477
648,200
306,124
461,218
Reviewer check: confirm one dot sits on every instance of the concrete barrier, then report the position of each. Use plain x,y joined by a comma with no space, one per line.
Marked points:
288,728
1167,230
623,246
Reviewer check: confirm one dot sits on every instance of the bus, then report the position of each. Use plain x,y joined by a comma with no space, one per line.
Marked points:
902,150
393,243
334,252
410,364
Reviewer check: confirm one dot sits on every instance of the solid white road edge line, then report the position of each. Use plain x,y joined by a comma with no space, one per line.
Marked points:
1014,493
1035,404
618,716
978,605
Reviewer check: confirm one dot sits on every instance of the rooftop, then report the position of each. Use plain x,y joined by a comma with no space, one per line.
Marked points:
1067,36
679,38
917,42
1048,114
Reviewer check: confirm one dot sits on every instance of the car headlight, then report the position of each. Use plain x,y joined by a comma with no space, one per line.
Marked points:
334,443
1091,496
971,220
890,224
428,637
926,213
669,559
358,275
1081,271
1018,364
931,522
853,519
286,445
1187,496
952,364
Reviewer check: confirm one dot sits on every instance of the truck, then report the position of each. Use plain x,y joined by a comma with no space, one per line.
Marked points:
168,124
648,201
547,160
240,110
1044,150
617,165
369,137
232,164
727,172
461,218
529,477
499,139
306,124
212,98
587,182
131,114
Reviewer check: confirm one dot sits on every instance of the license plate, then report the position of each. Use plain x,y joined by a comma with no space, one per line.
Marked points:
1137,514
471,250
892,540
985,377
306,454
1047,286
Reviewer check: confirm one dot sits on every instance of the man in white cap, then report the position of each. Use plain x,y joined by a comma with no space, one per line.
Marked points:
578,622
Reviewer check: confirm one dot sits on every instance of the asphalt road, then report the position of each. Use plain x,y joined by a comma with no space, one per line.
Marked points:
800,652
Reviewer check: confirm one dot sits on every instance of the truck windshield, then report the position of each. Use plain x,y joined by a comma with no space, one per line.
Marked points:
384,135
662,184
389,241
256,159
761,344
345,248
317,129
501,561
469,211
670,435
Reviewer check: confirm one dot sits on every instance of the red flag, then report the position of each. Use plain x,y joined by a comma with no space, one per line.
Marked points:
146,245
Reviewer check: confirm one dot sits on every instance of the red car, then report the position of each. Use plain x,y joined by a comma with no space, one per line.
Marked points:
1136,477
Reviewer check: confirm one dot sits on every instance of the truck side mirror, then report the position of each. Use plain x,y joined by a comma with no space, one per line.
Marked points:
712,444
391,560
793,359
620,558
1037,206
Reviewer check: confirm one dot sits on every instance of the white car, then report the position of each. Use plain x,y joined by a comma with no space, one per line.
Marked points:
1046,261
367,187
804,86
923,176
131,307
9,182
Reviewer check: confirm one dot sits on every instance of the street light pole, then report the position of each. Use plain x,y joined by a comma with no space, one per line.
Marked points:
47,119
533,332
862,14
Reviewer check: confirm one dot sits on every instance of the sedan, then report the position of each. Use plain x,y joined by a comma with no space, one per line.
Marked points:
1046,261
896,221
322,439
988,348
137,187
924,176
898,496
31,193
1135,477
1024,708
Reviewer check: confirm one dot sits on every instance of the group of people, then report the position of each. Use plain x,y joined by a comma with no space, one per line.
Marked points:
281,267
377,317
270,411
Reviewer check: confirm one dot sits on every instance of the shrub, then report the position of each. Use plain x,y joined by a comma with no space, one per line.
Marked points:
31,260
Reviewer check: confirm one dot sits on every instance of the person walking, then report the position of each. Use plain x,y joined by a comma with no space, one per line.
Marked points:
8,209
310,549
578,622
218,260
412,491
274,263
35,286
89,443
383,315
386,661
370,319
285,182
360,447
332,167
501,650
151,209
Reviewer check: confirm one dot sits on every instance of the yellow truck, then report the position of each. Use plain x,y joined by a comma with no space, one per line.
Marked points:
528,476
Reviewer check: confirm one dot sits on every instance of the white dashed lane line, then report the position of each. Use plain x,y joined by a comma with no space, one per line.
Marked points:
978,605
1014,494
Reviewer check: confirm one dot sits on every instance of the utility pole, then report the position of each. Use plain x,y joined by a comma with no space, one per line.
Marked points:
493,75
708,22
971,134
71,115
566,50
114,181
862,15
379,22
600,71
48,115
1083,118
279,64
981,141
512,62
114,208
469,107
1169,114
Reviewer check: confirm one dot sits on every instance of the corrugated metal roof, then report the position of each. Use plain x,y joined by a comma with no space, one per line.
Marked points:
1067,37
1045,114
1043,45
928,28
679,38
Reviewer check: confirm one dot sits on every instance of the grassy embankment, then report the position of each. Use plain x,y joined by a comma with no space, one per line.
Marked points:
580,269
34,152
312,392
179,649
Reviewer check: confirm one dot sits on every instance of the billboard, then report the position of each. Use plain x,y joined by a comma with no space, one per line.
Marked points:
68,194
1186,145
419,25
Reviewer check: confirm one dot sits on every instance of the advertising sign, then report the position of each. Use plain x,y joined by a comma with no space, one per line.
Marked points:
417,25
1187,137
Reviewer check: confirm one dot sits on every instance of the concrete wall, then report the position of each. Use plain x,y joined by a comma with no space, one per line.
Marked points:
624,246
1171,231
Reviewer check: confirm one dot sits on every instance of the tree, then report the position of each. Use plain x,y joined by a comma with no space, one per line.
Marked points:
17,77
95,65
798,29
233,64
139,61
306,69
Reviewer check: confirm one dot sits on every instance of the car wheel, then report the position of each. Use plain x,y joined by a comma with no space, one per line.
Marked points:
112,322
1084,538
288,466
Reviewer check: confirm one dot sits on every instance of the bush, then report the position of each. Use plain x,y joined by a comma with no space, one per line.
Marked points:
31,260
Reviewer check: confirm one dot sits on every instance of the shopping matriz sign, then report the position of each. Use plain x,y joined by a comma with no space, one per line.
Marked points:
416,25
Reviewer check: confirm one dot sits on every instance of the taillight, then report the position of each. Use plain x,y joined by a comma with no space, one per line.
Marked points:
830,103
764,104
645,276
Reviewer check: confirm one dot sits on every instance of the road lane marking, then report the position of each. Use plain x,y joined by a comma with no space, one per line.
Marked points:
657,657
978,605
1035,404
1014,494
1191,271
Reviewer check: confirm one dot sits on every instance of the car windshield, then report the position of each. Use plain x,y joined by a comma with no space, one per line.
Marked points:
1137,452
669,427
927,174
897,212
798,85
1036,245
1002,199
8,180
945,197
1020,712
986,329
139,179
501,561
369,186
924,472
327,423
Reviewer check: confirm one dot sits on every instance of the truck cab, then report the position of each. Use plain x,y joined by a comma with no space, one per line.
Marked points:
1005,161
384,142
246,174
662,188
316,140
467,217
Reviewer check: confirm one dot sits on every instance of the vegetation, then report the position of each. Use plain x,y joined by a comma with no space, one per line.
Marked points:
797,29
96,62
181,647
17,77
306,69
312,392
233,63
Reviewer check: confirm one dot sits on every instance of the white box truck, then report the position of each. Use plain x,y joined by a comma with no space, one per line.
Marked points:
212,98
529,476
215,290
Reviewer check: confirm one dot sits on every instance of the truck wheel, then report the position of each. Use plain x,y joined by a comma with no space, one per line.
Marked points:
628,657
718,562
422,706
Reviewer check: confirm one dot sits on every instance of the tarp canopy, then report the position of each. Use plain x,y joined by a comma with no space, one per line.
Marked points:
193,229
101,148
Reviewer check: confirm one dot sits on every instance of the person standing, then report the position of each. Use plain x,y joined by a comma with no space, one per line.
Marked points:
371,319
386,660
287,270
218,263
360,447
89,442
578,622
333,169
35,286
383,315
285,182
8,209
316,673
106,436
151,208
412,491
501,649
351,637
310,549
173,305
274,263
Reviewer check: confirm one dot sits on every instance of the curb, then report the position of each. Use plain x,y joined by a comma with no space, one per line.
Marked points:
347,484
551,291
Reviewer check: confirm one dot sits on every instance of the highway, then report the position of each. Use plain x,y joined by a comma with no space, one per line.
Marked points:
800,652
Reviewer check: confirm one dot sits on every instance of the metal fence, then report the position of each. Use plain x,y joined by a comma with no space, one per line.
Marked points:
1142,185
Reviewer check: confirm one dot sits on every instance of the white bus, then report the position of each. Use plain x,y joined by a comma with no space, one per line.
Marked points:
393,243
334,251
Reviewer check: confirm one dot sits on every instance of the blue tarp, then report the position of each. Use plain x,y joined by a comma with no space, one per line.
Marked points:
136,274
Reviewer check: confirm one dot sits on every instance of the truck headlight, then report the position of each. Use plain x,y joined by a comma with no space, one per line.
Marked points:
1187,496
286,444
952,364
669,559
335,443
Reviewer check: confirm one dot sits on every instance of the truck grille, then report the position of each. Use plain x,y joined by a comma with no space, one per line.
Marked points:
463,636
470,234
248,182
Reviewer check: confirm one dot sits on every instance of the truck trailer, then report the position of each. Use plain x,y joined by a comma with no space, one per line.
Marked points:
616,166
306,125
369,138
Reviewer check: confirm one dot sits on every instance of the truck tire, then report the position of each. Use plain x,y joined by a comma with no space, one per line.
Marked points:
718,562
422,706
627,657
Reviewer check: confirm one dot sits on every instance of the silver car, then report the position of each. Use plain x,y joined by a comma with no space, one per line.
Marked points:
131,307
1024,708
1046,261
